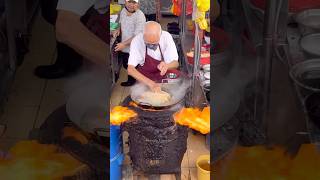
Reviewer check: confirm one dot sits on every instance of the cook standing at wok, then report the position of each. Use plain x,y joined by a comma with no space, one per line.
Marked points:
153,54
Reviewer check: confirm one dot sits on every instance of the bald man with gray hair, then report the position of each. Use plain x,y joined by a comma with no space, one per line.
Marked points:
153,54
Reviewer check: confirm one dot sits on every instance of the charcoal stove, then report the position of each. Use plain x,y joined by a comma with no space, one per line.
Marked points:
156,143
94,154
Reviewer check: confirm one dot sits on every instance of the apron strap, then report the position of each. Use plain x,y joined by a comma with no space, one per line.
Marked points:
162,59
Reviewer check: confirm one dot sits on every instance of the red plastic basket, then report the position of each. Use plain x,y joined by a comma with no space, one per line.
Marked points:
203,61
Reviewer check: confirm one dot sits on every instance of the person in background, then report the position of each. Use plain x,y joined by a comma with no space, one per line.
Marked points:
153,53
132,21
81,31
151,9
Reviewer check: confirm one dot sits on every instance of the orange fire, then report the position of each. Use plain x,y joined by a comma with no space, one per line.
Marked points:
194,119
121,114
33,161
261,163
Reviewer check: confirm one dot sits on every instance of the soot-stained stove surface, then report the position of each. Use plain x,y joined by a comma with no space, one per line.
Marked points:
156,143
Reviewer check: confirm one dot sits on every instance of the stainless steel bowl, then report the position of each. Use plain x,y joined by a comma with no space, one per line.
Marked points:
206,85
309,21
171,76
310,45
206,68
207,75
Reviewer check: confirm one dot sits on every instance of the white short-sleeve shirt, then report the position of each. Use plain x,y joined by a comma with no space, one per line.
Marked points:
131,25
138,49
80,7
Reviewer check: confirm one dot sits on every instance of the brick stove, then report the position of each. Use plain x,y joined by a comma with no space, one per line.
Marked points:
156,144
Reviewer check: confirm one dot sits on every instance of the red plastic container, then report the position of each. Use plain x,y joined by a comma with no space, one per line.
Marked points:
203,61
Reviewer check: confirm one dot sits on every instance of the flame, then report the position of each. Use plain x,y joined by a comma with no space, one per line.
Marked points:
121,114
261,163
194,119
75,134
33,161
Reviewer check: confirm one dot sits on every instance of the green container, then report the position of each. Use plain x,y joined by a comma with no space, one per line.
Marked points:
113,26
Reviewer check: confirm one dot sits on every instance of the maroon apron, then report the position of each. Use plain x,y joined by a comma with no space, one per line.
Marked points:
150,68
98,24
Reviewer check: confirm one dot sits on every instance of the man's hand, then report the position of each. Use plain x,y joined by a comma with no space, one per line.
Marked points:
120,46
154,86
116,33
163,68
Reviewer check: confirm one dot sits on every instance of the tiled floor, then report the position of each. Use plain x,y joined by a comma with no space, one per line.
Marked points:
32,99
196,143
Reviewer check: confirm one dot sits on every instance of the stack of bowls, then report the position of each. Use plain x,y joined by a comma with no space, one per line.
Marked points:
205,79
309,26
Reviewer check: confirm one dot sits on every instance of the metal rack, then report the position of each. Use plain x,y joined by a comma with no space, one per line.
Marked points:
281,41
197,95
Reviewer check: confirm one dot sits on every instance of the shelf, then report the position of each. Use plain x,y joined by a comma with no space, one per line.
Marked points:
297,56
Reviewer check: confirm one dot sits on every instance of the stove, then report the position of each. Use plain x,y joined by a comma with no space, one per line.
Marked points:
94,153
156,143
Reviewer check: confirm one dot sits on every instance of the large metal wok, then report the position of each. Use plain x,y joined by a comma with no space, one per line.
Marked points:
176,90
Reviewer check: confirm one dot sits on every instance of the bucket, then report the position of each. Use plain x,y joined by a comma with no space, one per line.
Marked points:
203,167
116,154
306,75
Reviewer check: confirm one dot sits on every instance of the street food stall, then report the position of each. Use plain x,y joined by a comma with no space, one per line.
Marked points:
158,124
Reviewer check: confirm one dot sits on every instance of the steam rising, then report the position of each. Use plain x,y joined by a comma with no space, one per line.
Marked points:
87,97
177,91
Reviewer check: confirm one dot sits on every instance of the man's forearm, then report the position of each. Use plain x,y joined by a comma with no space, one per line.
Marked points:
128,41
77,36
132,71
173,65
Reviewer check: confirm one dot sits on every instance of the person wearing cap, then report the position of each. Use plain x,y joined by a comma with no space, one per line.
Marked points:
153,54
132,21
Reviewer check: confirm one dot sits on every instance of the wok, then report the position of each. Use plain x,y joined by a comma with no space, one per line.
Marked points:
176,90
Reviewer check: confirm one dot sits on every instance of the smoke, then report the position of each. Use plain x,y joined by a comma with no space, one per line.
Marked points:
228,90
177,91
88,93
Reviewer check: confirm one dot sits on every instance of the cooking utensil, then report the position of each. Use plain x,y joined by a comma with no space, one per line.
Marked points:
206,85
307,75
207,39
207,75
172,78
309,21
206,68
166,88
310,45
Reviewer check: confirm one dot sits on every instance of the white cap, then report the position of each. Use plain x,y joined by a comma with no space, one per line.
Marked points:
133,0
